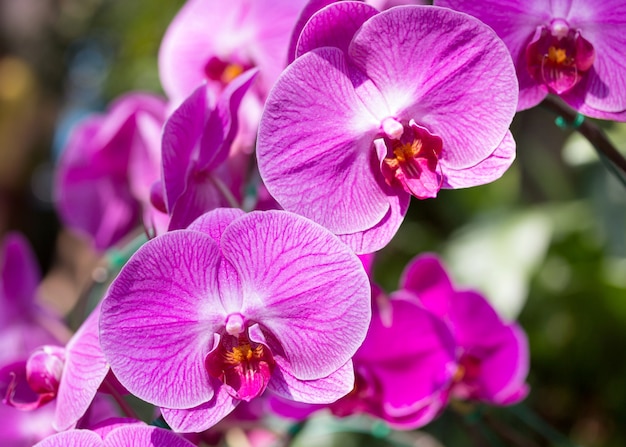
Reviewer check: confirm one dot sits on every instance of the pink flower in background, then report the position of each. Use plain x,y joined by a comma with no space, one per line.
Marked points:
574,49
104,176
379,107
197,139
201,319
71,375
492,354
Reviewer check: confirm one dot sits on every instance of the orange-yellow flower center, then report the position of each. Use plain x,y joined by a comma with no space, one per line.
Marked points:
558,55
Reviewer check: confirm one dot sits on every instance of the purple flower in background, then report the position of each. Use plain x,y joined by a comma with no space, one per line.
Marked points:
574,49
215,41
71,375
493,355
201,319
117,435
24,324
197,139
104,176
404,367
379,107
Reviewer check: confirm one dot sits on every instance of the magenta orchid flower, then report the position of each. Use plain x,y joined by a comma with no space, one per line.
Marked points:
105,173
197,140
71,375
214,41
379,107
493,354
201,319
117,435
404,367
574,49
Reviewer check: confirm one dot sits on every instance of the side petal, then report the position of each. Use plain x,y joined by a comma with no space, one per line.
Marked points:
437,66
315,152
303,285
181,134
85,369
159,317
201,195
426,278
144,436
321,391
72,438
202,417
488,170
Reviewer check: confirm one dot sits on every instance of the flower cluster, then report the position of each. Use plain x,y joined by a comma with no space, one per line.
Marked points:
353,108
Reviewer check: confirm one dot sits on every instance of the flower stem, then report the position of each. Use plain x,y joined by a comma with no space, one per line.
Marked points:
587,128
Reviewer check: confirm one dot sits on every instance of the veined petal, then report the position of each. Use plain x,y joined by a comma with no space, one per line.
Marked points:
437,66
72,438
320,391
311,7
303,285
515,22
605,87
159,318
334,26
144,436
85,369
202,417
215,222
380,234
315,151
488,170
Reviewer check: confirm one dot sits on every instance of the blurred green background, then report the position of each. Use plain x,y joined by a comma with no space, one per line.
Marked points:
546,243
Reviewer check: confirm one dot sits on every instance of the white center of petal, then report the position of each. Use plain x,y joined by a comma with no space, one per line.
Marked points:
234,324
392,128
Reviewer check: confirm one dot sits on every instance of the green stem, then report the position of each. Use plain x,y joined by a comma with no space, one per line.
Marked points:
526,415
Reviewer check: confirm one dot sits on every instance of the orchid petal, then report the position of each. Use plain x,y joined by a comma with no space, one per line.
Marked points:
288,267
85,369
334,26
486,171
400,49
203,416
426,277
144,436
331,177
72,438
215,222
159,318
181,133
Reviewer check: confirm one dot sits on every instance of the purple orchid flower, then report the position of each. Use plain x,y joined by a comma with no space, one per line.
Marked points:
69,375
110,162
404,367
201,319
215,41
197,140
379,107
493,355
574,49
117,435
